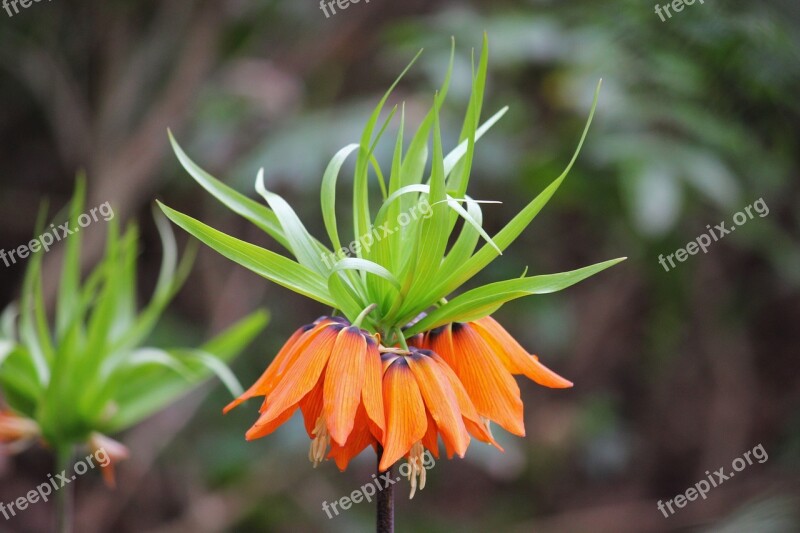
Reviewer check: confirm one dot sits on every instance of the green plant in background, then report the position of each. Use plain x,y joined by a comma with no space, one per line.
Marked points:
88,375
360,379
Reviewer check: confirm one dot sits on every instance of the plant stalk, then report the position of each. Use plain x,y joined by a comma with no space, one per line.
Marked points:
64,504
385,501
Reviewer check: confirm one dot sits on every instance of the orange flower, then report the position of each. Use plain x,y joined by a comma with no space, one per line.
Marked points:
17,432
484,356
332,372
108,453
425,399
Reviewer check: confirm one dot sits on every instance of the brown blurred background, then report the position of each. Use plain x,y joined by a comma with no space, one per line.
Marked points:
676,372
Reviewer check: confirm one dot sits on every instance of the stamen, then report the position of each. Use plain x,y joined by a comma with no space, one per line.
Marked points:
320,442
416,471
488,425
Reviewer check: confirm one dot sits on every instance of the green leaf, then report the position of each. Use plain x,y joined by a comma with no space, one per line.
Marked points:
171,277
7,320
157,356
240,204
347,297
361,217
328,194
218,368
6,347
147,390
460,178
364,265
433,230
301,242
265,263
512,230
66,310
485,300
236,338
455,156
467,239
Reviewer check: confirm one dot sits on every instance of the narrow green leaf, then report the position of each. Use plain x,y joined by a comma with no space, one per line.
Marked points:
485,300
71,270
512,230
328,194
236,338
217,367
361,218
455,156
240,204
364,265
147,390
300,240
265,263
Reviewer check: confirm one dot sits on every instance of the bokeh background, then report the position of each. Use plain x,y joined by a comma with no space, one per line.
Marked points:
676,372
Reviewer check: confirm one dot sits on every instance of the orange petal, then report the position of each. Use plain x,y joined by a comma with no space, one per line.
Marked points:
472,420
112,451
515,358
300,377
359,439
406,421
431,439
263,429
490,386
344,379
311,406
371,394
417,341
441,402
288,353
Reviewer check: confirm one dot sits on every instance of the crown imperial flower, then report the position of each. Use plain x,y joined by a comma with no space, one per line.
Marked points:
403,366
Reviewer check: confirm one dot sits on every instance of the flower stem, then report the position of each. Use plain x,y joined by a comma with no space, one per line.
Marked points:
385,501
401,339
370,308
64,494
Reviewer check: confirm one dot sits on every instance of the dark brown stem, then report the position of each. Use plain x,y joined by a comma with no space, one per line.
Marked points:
64,496
385,501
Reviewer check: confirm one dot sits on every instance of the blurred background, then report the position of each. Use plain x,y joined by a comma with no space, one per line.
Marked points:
675,373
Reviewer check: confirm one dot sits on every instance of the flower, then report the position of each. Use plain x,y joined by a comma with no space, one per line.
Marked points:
108,453
17,432
331,370
424,399
484,356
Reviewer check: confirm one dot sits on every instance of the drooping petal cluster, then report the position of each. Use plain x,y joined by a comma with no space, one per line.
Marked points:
424,400
17,432
354,393
331,371
109,452
485,357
